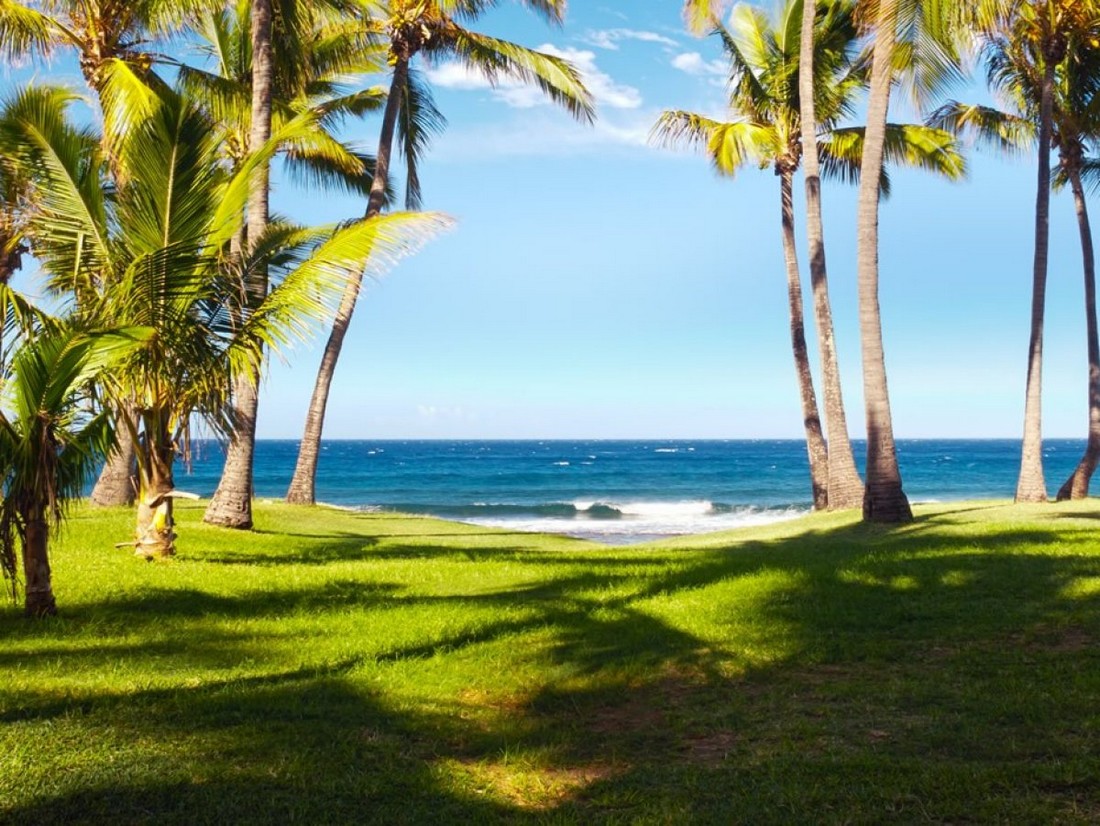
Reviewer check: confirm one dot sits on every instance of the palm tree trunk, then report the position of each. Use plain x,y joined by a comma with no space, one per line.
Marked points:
231,505
156,537
1031,487
845,489
811,418
1077,485
302,489
883,500
115,485
39,599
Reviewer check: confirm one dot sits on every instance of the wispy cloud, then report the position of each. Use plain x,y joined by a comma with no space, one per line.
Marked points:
606,91
547,136
610,38
694,63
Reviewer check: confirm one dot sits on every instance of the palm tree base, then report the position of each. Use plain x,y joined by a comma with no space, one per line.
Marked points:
1030,494
227,514
40,604
846,493
298,496
887,504
1077,485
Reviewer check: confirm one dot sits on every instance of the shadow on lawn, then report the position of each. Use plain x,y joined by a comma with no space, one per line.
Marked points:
850,674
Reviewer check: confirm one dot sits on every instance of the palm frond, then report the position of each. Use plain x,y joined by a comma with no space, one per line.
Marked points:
986,125
308,295
64,164
24,31
728,145
494,58
418,122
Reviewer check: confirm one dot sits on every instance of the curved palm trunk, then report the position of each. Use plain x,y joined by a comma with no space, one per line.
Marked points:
845,489
115,485
302,489
1077,485
231,505
883,500
1031,487
39,599
811,418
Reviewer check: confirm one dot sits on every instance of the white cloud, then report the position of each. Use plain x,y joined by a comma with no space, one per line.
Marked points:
535,136
602,86
610,38
520,95
693,63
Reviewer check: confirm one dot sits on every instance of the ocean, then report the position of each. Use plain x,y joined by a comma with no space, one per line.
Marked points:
614,491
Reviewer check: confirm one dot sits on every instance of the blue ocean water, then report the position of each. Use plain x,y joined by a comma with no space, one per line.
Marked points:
617,491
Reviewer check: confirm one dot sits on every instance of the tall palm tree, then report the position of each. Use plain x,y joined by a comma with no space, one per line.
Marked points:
268,67
844,485
155,253
432,28
765,94
1041,30
49,446
845,489
1077,125
1015,74
917,35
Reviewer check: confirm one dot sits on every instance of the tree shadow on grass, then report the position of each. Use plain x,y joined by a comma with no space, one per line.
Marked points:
854,673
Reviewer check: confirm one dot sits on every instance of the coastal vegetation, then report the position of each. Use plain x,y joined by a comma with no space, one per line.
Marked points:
878,662
343,666
275,80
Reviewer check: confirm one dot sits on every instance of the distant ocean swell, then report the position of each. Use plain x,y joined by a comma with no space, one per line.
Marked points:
613,491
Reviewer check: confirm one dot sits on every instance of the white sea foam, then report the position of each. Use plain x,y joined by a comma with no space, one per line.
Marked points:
667,450
643,521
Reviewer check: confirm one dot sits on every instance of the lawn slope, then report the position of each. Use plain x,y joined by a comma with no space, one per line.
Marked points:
341,667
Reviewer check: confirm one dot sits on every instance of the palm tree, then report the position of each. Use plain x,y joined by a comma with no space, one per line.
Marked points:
434,29
765,97
1041,32
1015,73
915,34
49,446
155,253
98,31
1077,127
844,485
260,78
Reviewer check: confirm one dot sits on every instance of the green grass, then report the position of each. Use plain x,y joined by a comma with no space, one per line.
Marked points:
339,667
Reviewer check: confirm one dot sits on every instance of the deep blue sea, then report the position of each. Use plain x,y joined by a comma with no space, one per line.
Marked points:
616,491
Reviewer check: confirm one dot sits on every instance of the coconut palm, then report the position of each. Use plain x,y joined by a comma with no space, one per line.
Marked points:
433,29
1077,133
914,36
845,490
259,78
844,485
1018,78
98,31
765,98
1039,32
50,444
155,253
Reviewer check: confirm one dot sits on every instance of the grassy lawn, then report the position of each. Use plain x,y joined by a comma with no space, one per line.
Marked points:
339,667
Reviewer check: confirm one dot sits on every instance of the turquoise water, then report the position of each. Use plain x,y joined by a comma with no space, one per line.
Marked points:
618,491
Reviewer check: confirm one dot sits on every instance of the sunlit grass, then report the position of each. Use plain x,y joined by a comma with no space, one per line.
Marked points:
340,667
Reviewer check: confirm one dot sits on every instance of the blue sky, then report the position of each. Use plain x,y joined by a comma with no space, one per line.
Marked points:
598,287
